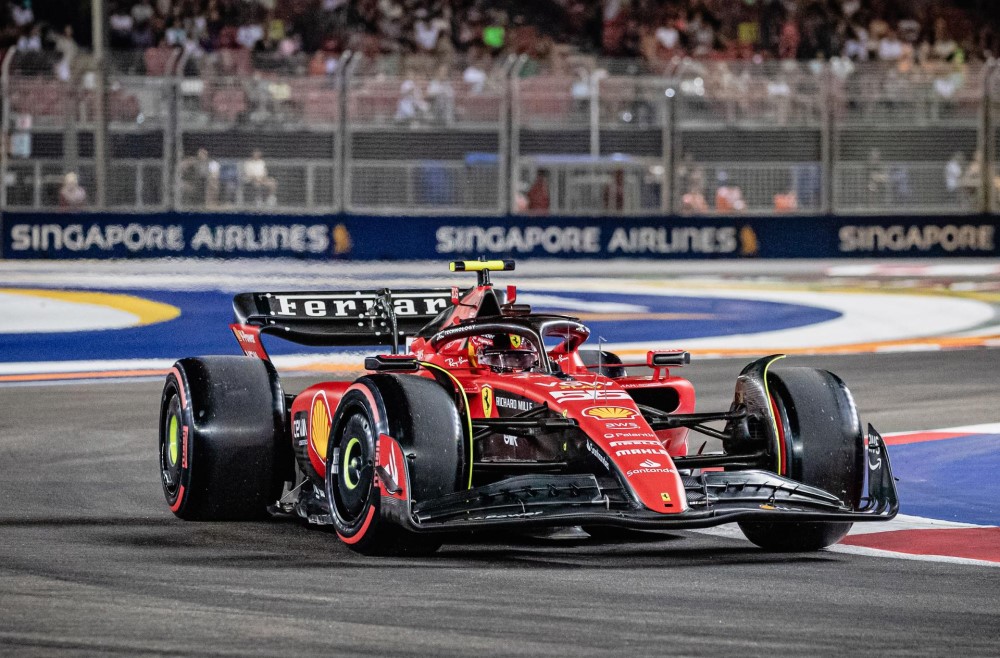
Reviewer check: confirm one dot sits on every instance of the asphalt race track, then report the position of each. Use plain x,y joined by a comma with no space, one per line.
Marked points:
93,561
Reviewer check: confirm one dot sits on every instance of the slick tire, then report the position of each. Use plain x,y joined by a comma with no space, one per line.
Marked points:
609,362
822,443
221,434
421,416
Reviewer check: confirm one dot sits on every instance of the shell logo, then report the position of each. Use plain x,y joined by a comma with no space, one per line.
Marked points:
609,413
319,424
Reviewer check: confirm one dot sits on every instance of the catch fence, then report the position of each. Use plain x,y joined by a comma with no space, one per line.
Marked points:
575,136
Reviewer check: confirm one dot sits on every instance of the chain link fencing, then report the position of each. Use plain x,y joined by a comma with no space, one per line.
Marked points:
232,131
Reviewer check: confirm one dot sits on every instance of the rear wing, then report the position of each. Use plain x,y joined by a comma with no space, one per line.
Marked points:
341,318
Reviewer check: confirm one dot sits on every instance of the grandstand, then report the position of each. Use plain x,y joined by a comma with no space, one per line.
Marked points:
560,107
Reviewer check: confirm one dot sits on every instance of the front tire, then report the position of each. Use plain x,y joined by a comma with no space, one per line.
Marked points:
821,443
220,439
420,415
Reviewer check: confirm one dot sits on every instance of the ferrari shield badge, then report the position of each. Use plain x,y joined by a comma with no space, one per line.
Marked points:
487,397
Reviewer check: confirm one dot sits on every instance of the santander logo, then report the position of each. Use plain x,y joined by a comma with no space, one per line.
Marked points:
649,463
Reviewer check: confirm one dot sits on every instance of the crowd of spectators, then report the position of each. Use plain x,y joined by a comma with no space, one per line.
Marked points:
656,31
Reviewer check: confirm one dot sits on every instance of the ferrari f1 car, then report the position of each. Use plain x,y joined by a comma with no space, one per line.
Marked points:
484,415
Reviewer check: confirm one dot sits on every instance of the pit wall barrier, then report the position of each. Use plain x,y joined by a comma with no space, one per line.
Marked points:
356,237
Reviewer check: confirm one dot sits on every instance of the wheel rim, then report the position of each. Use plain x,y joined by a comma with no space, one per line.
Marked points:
355,468
171,450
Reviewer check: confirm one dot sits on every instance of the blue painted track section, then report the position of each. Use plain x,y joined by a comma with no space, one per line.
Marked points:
727,316
202,327
951,479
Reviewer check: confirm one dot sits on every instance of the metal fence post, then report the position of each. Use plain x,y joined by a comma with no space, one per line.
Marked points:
595,114
6,134
826,142
514,99
347,147
667,146
987,143
97,14
346,68
505,147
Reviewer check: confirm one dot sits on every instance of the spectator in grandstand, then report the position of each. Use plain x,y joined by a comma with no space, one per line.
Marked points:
972,178
323,63
728,198
538,194
474,75
411,106
789,39
614,192
120,24
262,187
431,33
21,13
856,43
31,41
788,202
441,96
690,174
878,179
71,195
66,46
701,32
199,178
693,201
953,176
142,12
944,47
890,48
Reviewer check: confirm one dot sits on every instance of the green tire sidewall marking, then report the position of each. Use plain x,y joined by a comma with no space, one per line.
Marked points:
347,460
174,446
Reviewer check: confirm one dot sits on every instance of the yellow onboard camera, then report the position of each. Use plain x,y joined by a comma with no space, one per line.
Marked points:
482,265
482,268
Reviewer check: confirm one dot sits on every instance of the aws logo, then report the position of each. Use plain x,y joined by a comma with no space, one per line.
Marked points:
609,413
320,421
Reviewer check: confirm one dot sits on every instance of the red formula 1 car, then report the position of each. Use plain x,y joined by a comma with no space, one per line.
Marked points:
494,417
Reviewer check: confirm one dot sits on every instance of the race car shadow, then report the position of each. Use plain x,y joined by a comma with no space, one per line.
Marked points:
265,544
623,555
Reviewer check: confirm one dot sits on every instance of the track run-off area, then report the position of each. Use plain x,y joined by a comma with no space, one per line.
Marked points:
96,563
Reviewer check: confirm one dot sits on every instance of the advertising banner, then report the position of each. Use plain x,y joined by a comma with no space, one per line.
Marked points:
104,235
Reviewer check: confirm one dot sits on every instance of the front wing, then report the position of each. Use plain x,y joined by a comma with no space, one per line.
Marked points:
714,498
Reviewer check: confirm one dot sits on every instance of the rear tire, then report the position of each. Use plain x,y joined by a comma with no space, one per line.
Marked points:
822,445
420,415
221,429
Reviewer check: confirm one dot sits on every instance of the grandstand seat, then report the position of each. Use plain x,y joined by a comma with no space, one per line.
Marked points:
39,98
477,107
367,106
319,105
123,106
235,61
157,60
228,103
546,97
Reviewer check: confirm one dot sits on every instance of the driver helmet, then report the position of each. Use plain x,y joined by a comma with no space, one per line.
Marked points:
507,353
